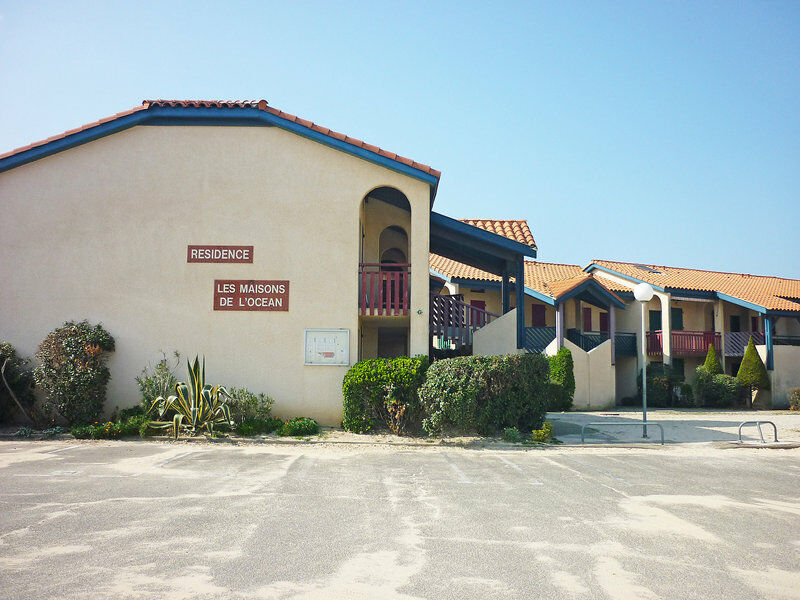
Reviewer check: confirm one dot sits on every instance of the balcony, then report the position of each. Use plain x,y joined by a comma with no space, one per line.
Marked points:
736,341
383,289
538,338
453,322
684,343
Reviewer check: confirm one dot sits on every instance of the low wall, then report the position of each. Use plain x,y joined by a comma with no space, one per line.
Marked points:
785,375
595,376
498,337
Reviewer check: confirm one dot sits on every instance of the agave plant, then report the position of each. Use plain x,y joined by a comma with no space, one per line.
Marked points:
197,405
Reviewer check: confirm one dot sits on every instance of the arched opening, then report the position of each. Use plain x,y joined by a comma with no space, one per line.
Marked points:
384,272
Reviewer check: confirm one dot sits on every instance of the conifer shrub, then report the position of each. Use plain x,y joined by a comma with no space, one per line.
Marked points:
486,393
383,392
712,363
73,371
752,373
562,381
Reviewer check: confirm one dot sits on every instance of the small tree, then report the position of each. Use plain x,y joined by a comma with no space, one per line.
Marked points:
562,380
712,364
73,370
752,372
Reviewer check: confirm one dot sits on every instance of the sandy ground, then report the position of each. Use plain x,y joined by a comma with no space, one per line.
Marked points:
375,518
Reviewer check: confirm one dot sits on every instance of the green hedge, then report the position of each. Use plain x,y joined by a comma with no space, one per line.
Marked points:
562,381
382,392
486,393
715,391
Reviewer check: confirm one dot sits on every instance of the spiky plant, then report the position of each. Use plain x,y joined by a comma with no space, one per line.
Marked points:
752,372
197,405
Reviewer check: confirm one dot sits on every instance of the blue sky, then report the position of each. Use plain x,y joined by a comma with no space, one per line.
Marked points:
644,131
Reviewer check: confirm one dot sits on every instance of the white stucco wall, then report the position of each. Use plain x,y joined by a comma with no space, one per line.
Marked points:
100,232
785,375
498,337
595,376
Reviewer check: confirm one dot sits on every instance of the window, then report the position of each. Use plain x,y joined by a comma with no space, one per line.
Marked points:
754,324
735,323
655,320
676,319
678,367
587,319
538,315
604,322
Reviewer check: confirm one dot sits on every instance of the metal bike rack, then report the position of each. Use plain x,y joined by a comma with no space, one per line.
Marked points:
606,424
761,433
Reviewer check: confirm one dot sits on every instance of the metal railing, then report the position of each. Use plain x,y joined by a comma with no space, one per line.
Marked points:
614,424
760,433
454,321
383,289
537,339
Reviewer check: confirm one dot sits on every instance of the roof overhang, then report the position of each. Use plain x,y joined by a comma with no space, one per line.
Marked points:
596,267
594,293
207,115
474,246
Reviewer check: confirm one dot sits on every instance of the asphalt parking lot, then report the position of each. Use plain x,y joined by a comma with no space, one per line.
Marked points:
175,520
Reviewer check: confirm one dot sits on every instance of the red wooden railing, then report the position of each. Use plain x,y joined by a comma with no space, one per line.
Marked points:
383,289
686,343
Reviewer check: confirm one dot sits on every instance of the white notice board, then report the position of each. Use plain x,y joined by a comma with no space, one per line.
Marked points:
327,347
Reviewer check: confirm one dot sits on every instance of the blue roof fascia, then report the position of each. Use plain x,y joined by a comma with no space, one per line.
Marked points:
476,283
176,115
76,139
595,287
681,292
594,266
481,234
743,303
540,296
439,275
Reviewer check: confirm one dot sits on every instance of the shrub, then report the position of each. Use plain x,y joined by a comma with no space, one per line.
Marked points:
300,426
794,399
686,397
486,393
17,375
197,406
511,434
73,370
384,392
562,381
111,430
726,390
245,405
159,380
257,426
712,364
661,379
752,373
543,435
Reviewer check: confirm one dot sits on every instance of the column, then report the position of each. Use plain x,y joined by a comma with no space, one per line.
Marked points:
769,325
559,325
520,288
505,292
612,332
419,284
666,329
719,327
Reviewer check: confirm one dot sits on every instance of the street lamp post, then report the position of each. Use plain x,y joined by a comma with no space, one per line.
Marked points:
644,293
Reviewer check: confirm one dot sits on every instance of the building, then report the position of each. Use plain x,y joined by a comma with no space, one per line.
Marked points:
284,252
280,250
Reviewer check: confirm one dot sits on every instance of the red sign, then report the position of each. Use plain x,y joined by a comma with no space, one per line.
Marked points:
241,294
219,254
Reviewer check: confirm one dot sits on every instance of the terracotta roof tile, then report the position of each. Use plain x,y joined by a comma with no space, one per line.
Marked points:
233,104
771,293
514,229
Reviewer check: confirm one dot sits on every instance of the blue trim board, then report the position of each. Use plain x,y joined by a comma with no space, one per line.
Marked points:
678,293
594,266
175,115
540,296
593,286
740,302
469,231
439,275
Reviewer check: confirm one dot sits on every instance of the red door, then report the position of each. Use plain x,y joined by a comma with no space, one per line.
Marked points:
604,322
587,319
538,315
754,324
478,318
